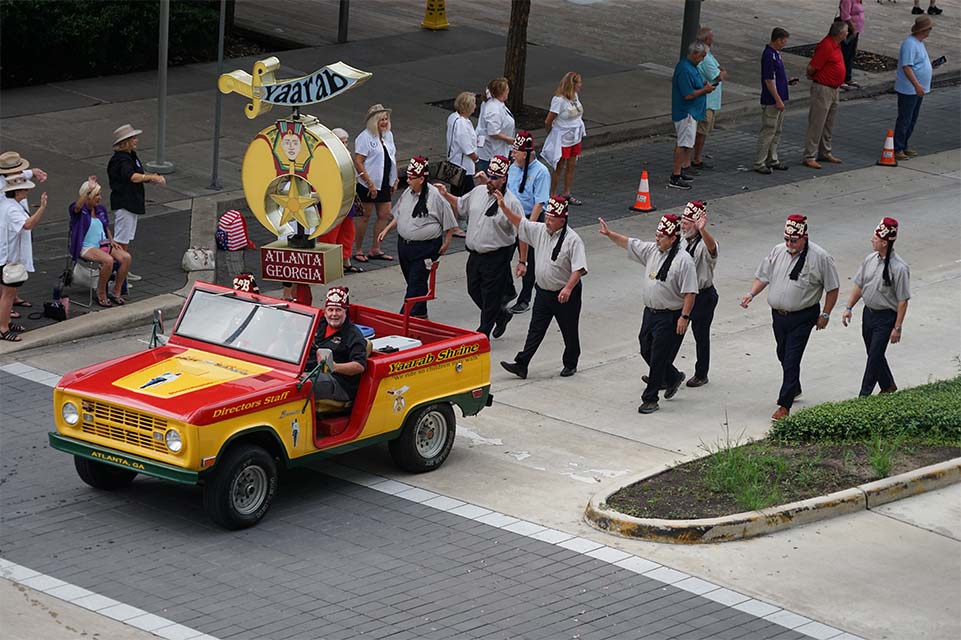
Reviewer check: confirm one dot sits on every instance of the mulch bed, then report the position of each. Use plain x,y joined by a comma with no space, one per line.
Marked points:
812,470
863,60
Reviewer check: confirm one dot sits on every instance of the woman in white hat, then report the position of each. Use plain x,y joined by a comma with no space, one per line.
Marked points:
376,162
16,246
11,163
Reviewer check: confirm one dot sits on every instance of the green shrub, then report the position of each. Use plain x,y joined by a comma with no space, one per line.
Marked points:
929,413
56,40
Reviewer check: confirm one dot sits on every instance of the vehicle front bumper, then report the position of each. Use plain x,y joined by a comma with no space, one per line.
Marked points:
122,460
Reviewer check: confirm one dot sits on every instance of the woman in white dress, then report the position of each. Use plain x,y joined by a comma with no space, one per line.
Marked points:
495,125
565,130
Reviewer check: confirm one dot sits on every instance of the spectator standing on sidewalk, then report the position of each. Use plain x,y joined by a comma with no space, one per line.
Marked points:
712,72
462,141
702,247
343,234
933,10
12,164
495,124
565,128
851,12
883,281
774,95
826,72
530,181
425,223
911,82
688,104
16,246
490,245
375,158
127,177
798,272
668,289
563,263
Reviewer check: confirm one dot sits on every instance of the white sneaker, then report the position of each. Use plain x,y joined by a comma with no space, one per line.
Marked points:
132,277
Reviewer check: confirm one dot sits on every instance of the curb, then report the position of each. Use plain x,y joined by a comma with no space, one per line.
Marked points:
755,523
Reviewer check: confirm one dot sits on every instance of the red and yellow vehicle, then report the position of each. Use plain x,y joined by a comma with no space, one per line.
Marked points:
226,402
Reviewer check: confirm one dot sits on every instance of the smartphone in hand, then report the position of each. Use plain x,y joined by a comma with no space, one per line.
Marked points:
937,63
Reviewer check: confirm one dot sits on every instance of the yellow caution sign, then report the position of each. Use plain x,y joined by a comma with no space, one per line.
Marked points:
435,18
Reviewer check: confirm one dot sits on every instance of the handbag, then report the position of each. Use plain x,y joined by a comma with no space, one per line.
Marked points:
447,171
55,310
14,273
198,259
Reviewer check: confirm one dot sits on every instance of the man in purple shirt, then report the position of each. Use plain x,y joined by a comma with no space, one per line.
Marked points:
774,93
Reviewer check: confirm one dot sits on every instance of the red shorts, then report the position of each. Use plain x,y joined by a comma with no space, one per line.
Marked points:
571,152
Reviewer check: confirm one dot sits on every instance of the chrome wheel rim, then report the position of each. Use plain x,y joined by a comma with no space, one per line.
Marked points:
249,490
430,436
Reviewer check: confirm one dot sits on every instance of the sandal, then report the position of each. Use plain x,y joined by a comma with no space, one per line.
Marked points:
22,303
352,269
117,300
380,256
104,303
14,315
573,201
359,257
17,328
9,336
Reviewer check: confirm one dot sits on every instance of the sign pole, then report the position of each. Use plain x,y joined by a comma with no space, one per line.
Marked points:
215,184
161,165
342,21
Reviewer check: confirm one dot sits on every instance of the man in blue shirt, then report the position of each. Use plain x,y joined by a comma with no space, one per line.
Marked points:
711,71
530,181
774,95
688,106
912,81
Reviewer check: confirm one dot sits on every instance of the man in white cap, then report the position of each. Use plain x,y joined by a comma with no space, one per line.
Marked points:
798,272
348,349
11,164
668,294
490,243
883,281
701,245
562,264
127,177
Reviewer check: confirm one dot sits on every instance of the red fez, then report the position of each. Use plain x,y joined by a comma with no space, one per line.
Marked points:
338,297
694,210
887,229
669,224
417,167
796,226
523,141
556,207
497,168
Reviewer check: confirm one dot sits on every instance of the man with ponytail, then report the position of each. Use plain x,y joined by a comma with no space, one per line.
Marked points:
425,224
668,294
562,264
530,181
883,281
798,272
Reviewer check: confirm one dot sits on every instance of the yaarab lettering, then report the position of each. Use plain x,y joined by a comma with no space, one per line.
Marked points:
444,355
314,88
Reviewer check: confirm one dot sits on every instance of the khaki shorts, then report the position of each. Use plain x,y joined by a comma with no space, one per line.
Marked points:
706,125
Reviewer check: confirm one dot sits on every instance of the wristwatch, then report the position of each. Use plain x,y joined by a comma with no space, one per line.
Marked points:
522,262
826,316
686,316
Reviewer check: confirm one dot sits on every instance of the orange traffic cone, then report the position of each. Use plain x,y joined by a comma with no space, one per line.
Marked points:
643,200
887,154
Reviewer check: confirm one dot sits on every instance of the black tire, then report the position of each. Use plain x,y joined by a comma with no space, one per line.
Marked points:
426,438
103,476
241,487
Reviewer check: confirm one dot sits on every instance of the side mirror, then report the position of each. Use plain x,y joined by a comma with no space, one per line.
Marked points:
156,335
158,320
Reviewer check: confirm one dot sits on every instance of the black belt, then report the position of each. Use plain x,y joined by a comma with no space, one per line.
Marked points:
663,310
785,312
873,310
705,289
406,241
485,253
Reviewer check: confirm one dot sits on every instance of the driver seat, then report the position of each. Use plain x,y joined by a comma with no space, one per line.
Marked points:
325,405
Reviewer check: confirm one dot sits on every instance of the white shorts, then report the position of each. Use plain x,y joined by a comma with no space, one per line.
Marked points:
686,131
124,226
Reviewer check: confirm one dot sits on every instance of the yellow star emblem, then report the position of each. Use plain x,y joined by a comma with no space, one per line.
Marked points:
293,204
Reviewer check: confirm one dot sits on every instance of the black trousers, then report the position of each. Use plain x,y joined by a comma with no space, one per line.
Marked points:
876,327
568,315
702,315
659,346
791,332
412,255
490,285
849,48
527,288
327,387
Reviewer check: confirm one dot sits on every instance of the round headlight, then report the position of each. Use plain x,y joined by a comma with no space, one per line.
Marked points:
174,443
69,413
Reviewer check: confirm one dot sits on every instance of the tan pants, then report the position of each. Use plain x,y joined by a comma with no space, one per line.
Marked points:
821,114
769,137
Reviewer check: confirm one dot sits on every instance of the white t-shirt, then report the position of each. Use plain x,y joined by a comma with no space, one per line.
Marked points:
461,141
370,147
570,119
26,234
495,118
15,241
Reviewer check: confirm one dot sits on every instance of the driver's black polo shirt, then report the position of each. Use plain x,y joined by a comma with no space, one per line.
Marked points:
347,344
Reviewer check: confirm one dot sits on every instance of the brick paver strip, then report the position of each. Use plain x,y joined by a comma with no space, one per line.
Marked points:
333,559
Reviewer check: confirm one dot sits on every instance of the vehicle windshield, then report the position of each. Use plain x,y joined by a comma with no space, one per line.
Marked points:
270,330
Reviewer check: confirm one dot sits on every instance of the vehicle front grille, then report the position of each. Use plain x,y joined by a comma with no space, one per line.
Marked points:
123,425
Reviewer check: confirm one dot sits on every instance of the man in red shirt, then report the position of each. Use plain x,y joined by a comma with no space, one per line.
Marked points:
826,72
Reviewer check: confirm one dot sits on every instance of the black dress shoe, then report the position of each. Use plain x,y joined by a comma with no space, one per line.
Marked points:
697,382
567,372
645,379
648,407
672,390
518,370
501,326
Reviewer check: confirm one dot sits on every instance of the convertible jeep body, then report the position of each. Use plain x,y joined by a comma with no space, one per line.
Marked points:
226,402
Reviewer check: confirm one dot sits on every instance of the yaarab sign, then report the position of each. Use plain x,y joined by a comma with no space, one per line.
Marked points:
319,265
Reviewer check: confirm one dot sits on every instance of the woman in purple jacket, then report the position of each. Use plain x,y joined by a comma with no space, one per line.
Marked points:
91,240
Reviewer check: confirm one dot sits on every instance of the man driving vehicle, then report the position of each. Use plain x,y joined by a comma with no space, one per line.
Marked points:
348,349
